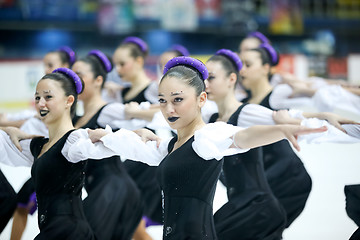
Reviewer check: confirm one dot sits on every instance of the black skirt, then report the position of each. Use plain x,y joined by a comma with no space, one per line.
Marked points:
113,207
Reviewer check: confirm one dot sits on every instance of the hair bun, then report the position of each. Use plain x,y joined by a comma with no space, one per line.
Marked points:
103,58
138,41
69,52
71,74
259,36
272,53
189,62
233,57
181,49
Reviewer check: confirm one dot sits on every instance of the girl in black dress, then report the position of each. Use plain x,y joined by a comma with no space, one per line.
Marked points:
7,201
285,171
62,57
252,211
112,207
245,215
57,180
190,163
129,59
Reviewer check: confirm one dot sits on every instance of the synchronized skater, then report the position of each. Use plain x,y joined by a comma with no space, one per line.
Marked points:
134,178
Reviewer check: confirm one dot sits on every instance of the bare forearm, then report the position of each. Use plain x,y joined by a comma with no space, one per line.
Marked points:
17,123
146,114
353,90
319,115
258,136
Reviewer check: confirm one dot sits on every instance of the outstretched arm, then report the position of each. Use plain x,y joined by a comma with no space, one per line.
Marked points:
16,135
257,136
133,110
99,144
283,117
11,154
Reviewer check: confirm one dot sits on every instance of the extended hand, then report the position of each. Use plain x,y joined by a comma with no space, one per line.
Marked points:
16,135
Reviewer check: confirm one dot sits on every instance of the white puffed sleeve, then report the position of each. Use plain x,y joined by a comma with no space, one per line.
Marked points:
23,115
78,147
113,115
11,156
296,113
214,141
254,114
332,97
125,143
129,145
208,110
35,126
279,98
152,92
317,82
332,135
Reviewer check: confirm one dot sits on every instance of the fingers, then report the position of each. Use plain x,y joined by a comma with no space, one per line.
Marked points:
158,141
16,143
312,130
349,122
293,140
29,136
336,124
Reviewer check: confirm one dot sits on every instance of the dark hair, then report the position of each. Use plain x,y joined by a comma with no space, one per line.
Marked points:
96,66
228,65
66,55
266,58
179,50
136,50
189,75
64,58
175,52
258,35
67,84
268,54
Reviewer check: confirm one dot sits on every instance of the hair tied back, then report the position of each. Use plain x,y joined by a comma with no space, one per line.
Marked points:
233,57
68,51
137,41
272,53
103,58
71,74
189,62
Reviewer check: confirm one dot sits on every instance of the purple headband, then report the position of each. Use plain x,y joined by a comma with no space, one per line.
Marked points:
189,62
138,41
273,54
103,58
259,36
181,49
233,57
70,73
68,52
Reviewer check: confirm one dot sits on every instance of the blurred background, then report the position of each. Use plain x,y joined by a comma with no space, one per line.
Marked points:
314,37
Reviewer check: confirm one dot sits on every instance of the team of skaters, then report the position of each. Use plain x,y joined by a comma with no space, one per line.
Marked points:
151,152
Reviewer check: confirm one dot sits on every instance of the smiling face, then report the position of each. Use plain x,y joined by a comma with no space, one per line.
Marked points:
219,83
253,69
126,66
51,102
179,102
